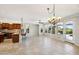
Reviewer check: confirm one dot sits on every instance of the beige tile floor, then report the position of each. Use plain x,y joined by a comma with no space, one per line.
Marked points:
42,45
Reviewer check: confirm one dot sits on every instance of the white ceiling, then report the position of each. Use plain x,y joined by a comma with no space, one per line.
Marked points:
35,12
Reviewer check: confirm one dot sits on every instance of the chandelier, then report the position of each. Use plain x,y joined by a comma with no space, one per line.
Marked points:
54,19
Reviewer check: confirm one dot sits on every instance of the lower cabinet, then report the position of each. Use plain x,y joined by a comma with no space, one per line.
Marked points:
1,38
15,38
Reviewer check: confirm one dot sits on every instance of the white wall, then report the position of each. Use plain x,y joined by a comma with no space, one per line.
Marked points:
75,19
41,26
76,32
33,30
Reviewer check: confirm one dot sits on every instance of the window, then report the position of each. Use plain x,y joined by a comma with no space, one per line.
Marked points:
60,28
69,30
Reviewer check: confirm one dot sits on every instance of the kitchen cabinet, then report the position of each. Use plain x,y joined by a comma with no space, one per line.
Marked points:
1,37
15,38
16,26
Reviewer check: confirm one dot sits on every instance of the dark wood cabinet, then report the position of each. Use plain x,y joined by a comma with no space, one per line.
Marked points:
10,26
5,25
1,37
16,26
8,29
0,26
15,38
7,35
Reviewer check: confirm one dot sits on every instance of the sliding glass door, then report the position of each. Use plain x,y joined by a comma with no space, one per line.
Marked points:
69,27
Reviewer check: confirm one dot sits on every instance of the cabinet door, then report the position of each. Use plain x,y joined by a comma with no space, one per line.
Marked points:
5,25
16,26
0,26
10,27
15,38
1,38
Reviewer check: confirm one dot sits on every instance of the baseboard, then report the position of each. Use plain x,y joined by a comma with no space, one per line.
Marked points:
77,44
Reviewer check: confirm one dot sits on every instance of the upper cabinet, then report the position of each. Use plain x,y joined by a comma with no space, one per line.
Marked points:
5,25
0,26
10,26
16,26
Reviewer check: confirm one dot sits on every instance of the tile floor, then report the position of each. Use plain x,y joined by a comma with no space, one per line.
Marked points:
42,45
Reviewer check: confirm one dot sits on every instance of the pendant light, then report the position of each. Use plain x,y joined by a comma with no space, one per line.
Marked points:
53,20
